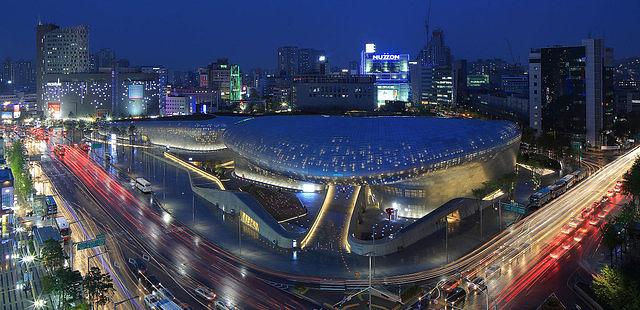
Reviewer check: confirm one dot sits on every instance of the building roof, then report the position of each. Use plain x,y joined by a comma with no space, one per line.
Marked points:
42,234
6,175
371,149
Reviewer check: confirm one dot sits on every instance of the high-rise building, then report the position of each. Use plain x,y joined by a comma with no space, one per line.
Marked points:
566,91
105,58
310,60
288,61
225,78
294,61
60,51
391,71
23,76
436,53
433,76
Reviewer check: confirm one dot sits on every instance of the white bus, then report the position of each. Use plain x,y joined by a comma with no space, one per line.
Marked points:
143,185
63,227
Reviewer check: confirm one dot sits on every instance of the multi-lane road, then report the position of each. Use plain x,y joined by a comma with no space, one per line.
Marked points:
187,260
191,261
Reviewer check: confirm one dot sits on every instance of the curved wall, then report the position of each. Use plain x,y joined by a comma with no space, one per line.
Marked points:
191,135
419,197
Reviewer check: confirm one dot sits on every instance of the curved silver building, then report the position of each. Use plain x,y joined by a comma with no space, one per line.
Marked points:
186,134
427,161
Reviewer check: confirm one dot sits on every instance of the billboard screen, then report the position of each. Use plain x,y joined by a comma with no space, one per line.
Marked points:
136,91
53,109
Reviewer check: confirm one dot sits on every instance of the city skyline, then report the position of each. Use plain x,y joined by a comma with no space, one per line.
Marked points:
341,33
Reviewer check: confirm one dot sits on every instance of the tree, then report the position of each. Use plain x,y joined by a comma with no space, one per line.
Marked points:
631,183
98,287
22,181
616,289
52,255
65,284
507,183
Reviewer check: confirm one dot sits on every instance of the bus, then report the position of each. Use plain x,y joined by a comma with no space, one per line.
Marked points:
50,203
540,197
63,227
143,185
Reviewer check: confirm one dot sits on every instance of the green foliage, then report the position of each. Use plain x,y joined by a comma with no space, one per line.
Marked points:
538,161
23,186
98,287
52,255
616,289
631,184
506,183
66,285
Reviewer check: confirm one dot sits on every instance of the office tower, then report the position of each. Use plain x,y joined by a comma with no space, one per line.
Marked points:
105,58
309,60
566,91
294,61
288,61
224,78
60,51
436,53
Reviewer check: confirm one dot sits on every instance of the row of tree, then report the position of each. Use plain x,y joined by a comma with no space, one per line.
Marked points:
67,286
617,285
22,183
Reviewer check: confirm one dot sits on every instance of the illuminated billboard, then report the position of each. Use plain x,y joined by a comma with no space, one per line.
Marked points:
16,111
53,109
136,91
393,92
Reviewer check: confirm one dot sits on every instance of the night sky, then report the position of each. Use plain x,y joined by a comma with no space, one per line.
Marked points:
190,33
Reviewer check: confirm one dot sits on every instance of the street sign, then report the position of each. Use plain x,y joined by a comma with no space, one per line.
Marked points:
91,243
96,145
515,207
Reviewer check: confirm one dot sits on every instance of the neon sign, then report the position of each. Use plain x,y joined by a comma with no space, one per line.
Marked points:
386,57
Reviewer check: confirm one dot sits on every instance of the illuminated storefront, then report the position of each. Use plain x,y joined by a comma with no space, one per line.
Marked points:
391,71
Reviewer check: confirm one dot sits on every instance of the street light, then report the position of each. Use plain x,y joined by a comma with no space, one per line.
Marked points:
39,303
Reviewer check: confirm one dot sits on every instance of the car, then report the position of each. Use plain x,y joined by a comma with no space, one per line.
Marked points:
610,193
618,183
578,237
566,229
450,285
595,222
574,223
557,253
477,284
566,246
617,189
205,293
602,214
605,199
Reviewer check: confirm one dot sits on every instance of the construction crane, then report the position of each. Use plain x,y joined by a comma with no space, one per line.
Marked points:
513,59
426,21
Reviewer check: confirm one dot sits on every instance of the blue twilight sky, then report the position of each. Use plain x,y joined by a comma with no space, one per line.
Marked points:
190,33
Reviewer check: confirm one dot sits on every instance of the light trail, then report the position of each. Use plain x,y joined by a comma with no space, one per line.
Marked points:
195,169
